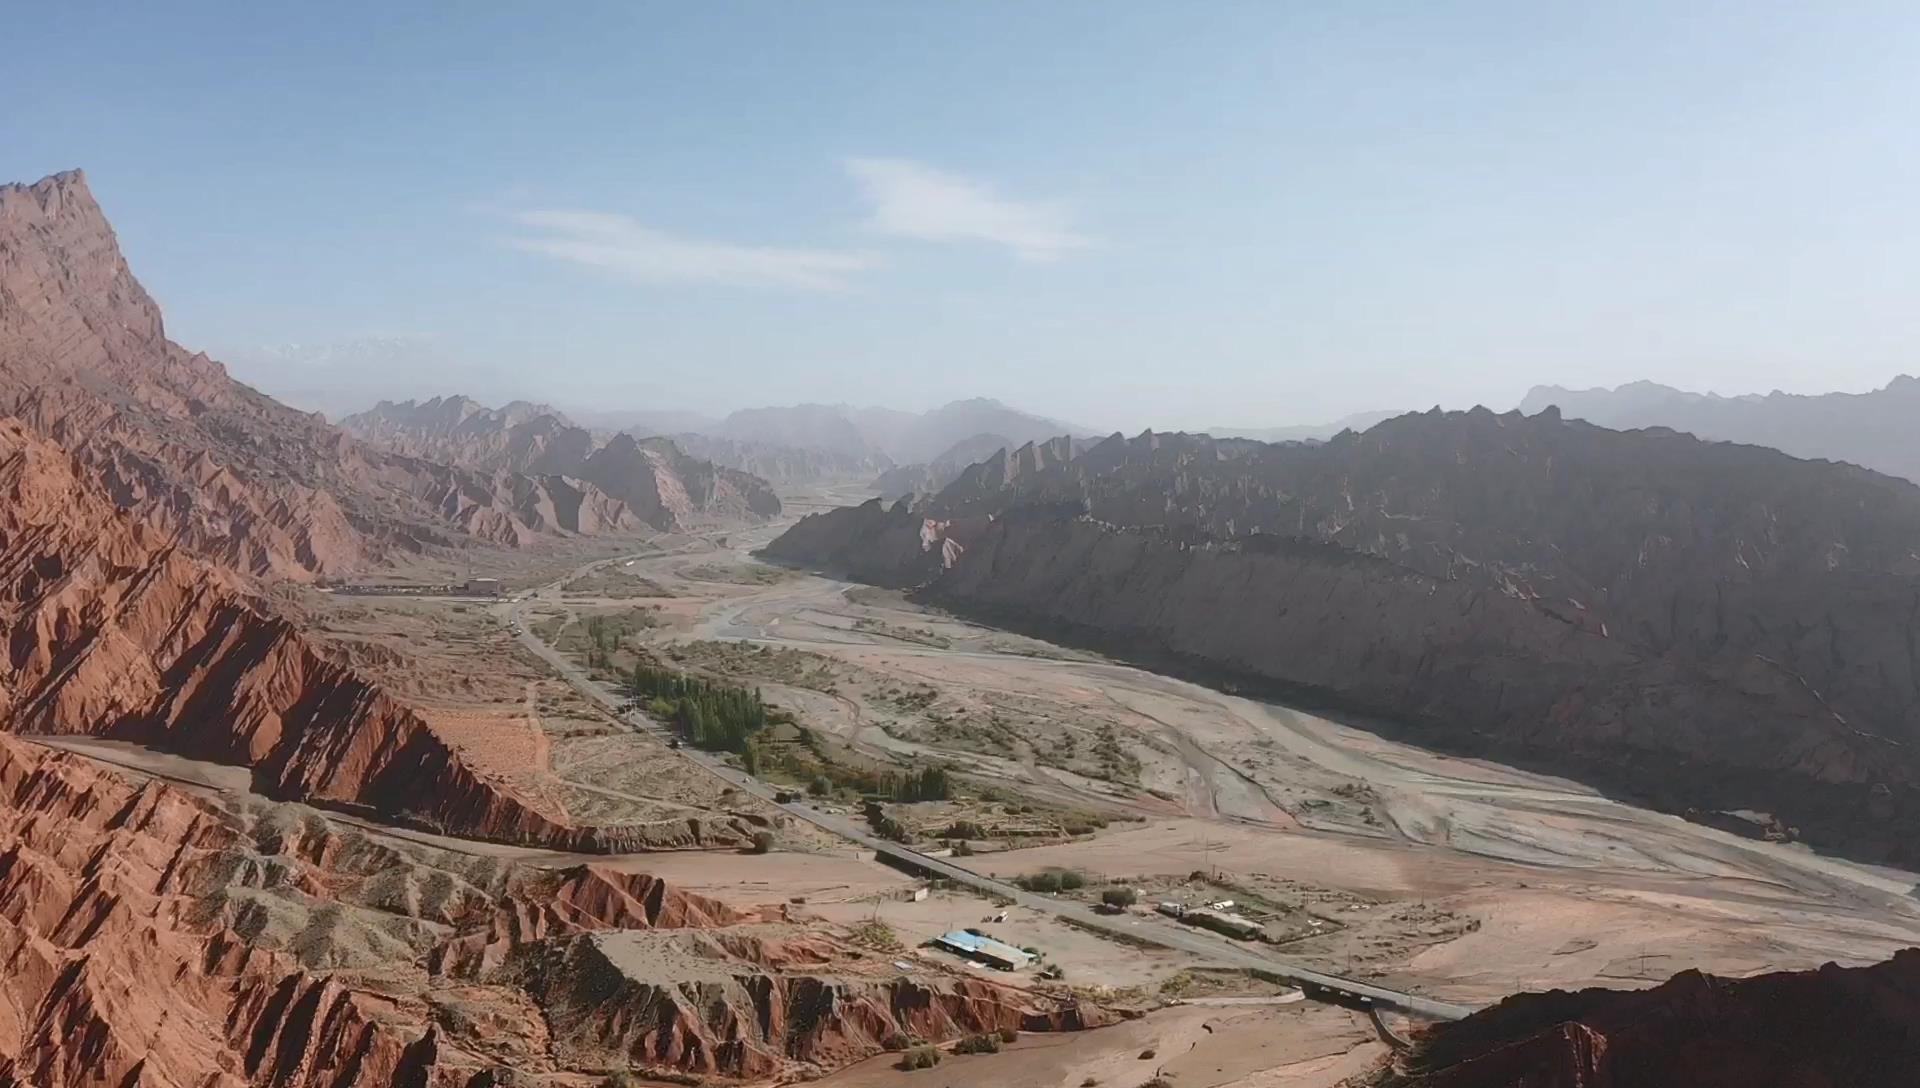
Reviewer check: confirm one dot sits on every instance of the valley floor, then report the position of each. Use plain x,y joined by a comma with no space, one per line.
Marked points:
1458,879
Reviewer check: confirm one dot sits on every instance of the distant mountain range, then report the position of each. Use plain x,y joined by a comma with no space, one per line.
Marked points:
658,482
1874,430
1307,432
904,438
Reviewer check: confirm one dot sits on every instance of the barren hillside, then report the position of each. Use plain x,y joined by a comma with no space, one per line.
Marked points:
237,476
1705,626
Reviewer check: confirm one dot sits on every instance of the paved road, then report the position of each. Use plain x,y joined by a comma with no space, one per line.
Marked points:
1151,929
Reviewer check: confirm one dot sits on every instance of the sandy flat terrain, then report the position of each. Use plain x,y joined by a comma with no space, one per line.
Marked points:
1559,885
1285,1046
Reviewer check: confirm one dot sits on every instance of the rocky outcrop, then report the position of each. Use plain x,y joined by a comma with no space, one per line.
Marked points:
904,481
109,982
1694,624
752,1001
665,487
233,474
1834,1027
113,630
650,479
159,938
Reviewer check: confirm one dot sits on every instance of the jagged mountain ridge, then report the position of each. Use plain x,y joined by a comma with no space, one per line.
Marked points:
239,477
1873,430
653,478
1699,624
902,481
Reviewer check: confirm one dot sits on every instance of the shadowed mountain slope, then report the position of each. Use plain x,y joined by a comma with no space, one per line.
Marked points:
1699,625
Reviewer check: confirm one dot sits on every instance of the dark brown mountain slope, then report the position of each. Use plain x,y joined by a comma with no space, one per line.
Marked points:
237,476
1837,1027
652,478
1699,625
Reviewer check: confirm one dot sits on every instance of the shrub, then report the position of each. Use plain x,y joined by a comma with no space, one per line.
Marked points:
978,1044
1008,1035
898,1040
1119,898
762,842
821,785
920,1057
1040,882
1053,880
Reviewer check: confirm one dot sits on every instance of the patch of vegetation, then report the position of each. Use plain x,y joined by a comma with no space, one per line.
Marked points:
795,668
614,582
743,574
978,1044
917,635
920,1057
1052,880
1119,898
716,717
602,636
876,935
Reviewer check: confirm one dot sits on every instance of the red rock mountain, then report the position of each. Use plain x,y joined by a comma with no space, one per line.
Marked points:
1831,1028
113,629
234,474
654,479
1698,625
152,937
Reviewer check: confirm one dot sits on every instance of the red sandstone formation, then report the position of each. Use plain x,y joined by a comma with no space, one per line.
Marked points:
1831,1028
152,937
233,474
113,630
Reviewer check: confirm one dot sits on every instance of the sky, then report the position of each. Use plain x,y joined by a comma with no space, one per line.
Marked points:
1119,214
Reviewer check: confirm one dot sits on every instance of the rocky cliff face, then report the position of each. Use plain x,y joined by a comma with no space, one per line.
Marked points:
1699,625
114,630
235,475
1829,1028
651,479
154,937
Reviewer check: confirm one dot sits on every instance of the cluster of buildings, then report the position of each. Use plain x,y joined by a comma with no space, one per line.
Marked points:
1218,917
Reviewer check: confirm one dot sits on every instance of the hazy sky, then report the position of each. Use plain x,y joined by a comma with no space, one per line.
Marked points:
1121,214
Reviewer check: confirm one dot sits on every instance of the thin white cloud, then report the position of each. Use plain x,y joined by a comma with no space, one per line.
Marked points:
625,247
913,200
